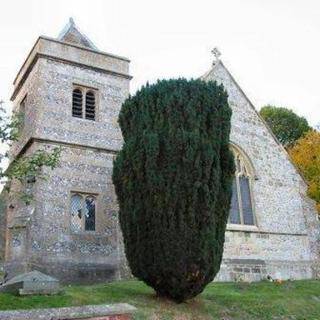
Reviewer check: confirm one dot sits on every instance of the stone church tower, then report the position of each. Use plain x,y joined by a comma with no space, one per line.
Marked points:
70,94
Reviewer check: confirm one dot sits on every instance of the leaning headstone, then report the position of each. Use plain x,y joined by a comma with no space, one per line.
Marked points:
33,282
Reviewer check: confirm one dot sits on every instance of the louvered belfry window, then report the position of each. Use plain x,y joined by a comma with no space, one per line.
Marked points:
241,208
83,212
77,103
84,103
90,105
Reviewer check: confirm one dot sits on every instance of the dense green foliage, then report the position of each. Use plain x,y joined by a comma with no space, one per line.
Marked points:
285,124
294,300
173,182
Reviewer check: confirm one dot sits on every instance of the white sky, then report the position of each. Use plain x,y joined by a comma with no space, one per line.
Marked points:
271,47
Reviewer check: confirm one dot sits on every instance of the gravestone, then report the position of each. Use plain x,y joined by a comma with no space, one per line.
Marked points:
33,282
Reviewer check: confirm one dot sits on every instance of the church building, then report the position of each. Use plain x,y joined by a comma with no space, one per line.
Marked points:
70,94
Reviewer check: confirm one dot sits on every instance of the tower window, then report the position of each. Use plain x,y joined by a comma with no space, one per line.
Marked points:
241,209
83,212
84,103
77,103
90,105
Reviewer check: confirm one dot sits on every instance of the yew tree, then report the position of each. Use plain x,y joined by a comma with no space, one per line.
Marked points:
173,182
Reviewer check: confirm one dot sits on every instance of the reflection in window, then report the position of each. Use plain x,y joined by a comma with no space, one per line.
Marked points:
90,212
83,212
241,210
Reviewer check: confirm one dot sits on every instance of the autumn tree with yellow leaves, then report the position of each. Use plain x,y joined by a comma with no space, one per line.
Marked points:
305,153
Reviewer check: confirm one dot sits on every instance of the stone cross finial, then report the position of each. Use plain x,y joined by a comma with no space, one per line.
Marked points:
71,21
216,52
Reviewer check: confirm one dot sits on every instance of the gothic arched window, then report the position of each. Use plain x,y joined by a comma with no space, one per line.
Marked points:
241,209
83,212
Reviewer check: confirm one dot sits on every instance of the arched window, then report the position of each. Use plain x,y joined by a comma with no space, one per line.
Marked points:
90,105
84,103
77,103
83,212
241,209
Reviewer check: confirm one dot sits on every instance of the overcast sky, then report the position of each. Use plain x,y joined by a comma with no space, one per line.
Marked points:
271,47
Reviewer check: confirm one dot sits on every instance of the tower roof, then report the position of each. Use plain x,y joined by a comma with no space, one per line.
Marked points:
71,33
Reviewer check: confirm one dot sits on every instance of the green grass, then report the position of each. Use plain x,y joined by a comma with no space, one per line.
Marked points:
294,300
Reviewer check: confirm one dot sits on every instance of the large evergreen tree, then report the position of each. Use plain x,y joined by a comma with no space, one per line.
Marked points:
173,182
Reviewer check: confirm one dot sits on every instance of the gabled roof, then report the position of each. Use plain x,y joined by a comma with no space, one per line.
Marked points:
71,33
209,73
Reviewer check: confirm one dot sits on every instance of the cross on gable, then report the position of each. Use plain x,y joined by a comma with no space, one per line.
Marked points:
216,52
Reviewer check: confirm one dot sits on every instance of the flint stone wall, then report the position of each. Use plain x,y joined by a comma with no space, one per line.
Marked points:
283,244
40,236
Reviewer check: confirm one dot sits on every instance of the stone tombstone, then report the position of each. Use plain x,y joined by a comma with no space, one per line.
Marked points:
33,282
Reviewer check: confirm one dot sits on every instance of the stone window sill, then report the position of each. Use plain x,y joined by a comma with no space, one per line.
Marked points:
90,234
85,233
241,227
84,119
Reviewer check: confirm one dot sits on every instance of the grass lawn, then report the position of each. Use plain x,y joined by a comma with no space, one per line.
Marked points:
228,301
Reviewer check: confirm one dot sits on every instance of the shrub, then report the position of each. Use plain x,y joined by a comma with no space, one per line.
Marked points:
173,182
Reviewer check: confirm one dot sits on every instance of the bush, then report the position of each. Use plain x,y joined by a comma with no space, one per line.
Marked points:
173,182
